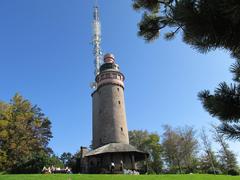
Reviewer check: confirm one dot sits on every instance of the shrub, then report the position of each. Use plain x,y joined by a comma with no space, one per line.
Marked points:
215,171
233,172
36,164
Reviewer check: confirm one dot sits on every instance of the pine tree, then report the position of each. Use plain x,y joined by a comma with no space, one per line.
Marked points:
66,158
225,104
205,25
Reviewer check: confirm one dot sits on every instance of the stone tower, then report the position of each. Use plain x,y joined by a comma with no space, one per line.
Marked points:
110,133
109,116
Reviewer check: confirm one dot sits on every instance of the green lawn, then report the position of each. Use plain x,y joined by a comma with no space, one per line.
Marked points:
117,177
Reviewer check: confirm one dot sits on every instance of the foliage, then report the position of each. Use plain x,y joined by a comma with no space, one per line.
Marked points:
66,158
53,160
75,162
214,171
24,134
179,152
148,142
118,177
206,25
208,161
233,172
180,149
36,164
228,160
225,104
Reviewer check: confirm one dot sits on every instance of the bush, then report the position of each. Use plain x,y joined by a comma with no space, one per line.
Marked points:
36,164
215,171
233,172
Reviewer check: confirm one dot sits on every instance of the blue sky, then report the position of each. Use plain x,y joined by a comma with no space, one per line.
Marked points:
46,55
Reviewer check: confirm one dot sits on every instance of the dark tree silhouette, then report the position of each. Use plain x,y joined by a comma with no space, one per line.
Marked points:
205,25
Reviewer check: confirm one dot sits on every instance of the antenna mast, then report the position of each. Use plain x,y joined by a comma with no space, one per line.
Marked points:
96,39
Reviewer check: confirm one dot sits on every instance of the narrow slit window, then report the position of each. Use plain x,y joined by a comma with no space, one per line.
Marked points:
119,102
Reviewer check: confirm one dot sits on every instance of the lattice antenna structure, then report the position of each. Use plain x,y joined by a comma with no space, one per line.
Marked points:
96,39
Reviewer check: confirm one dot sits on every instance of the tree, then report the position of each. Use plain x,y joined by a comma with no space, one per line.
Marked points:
3,134
75,162
225,105
170,150
36,164
66,158
148,142
24,133
228,160
180,149
205,25
208,161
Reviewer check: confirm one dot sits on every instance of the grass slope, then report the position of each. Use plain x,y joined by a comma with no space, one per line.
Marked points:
116,177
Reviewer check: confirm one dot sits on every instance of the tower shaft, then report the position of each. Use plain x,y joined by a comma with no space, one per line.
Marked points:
109,116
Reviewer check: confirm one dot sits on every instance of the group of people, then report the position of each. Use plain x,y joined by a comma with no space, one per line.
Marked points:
125,171
55,170
130,172
112,166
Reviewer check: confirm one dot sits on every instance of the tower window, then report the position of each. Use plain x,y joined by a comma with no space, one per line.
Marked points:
121,129
119,102
118,89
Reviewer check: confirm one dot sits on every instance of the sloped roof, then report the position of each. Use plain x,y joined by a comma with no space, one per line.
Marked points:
114,148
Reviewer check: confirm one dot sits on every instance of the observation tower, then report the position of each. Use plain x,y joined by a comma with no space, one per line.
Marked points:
109,116
110,143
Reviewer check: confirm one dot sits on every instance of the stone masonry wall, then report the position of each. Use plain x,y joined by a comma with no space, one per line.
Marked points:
109,116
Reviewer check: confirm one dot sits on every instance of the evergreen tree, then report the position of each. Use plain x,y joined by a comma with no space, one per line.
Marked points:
66,158
205,25
225,104
75,162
